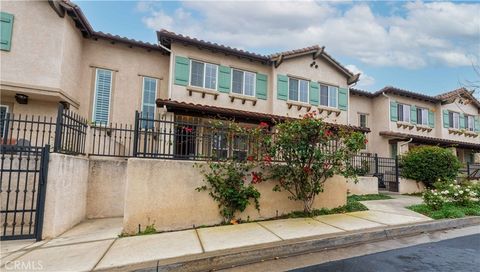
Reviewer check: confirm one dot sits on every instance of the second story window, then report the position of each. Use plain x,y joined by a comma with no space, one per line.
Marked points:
203,75
469,122
328,96
404,113
243,82
298,90
103,91
149,94
422,116
362,120
453,120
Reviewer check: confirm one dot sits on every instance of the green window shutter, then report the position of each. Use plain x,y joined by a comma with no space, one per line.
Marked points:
393,111
314,93
6,27
413,114
343,99
462,121
431,119
182,70
282,87
224,79
261,87
477,123
445,119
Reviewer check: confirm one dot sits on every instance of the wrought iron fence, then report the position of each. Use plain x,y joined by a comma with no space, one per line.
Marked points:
27,131
113,140
189,140
70,133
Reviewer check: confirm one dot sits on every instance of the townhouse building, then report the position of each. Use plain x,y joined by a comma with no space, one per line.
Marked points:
401,119
51,54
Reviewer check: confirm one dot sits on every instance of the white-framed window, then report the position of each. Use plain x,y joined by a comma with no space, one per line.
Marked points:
203,75
243,82
470,122
362,120
103,94
240,147
3,116
422,116
453,119
149,95
220,145
404,113
298,90
328,95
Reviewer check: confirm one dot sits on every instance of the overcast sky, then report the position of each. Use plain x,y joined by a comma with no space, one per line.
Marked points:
427,47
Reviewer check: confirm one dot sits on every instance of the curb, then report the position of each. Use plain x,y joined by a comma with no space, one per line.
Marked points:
244,255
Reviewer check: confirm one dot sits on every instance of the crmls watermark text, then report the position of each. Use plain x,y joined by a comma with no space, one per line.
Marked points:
24,266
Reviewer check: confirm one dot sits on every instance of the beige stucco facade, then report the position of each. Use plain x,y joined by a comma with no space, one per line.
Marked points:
162,192
50,62
377,109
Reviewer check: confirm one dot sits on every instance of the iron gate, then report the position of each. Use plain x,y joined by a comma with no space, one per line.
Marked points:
387,171
22,188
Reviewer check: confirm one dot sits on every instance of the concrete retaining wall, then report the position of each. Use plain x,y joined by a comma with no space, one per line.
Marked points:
65,202
364,186
410,186
106,187
162,192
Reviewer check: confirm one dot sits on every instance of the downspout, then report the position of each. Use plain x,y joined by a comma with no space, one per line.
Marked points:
389,117
170,69
405,143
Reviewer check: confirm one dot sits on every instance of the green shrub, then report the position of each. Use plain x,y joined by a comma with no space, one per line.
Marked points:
227,184
429,164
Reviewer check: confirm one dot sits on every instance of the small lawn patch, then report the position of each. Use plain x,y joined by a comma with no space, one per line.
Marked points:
447,211
368,197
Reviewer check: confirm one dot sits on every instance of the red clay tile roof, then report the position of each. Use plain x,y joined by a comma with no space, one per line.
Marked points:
233,113
397,91
309,49
166,37
456,93
430,140
81,22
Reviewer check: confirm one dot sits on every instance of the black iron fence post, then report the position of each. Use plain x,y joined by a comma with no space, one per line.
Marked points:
397,172
6,128
468,169
135,134
58,129
376,163
42,191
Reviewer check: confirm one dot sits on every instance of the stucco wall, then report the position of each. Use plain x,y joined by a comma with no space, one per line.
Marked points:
410,186
65,201
129,66
163,192
469,109
180,93
37,43
300,67
364,186
106,187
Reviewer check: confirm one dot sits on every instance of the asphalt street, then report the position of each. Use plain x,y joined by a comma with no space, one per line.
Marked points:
457,254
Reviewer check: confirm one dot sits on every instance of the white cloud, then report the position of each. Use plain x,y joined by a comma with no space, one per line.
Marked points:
424,34
365,80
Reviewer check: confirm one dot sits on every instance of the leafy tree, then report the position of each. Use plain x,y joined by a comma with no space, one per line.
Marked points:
311,151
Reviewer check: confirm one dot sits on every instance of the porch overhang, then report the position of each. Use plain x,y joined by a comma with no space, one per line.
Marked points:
429,140
233,114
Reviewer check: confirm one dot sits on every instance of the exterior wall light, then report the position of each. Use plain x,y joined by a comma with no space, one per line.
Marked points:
21,98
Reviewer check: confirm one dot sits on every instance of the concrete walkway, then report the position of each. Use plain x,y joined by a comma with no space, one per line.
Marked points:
94,244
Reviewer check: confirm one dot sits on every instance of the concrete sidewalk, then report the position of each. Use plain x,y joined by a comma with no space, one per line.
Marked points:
94,244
